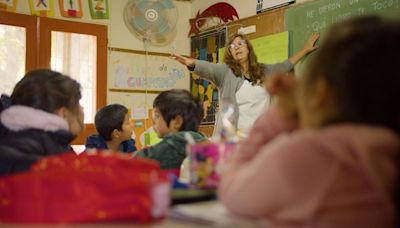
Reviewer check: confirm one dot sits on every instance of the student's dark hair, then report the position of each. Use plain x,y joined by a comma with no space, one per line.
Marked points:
180,102
359,61
109,118
256,70
47,90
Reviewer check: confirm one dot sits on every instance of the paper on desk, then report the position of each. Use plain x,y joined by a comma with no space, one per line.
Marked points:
210,214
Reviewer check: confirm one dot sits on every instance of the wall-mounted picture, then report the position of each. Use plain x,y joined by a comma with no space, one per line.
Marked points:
43,8
70,8
99,9
8,5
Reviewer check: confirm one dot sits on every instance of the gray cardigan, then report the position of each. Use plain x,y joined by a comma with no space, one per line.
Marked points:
228,83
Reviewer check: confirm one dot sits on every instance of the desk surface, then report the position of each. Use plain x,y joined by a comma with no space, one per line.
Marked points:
196,215
164,224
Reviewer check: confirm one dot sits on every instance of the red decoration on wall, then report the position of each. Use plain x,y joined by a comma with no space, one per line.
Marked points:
222,10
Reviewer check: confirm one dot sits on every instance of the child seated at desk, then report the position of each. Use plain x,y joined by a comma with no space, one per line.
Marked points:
339,167
40,119
114,130
175,113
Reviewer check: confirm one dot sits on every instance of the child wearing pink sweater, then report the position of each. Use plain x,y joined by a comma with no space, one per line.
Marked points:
325,155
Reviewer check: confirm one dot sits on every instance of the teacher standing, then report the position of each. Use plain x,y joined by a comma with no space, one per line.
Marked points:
240,78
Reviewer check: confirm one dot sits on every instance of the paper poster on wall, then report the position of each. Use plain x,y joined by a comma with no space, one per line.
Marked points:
221,54
269,49
273,48
8,5
99,9
207,47
138,101
43,8
138,113
128,71
70,8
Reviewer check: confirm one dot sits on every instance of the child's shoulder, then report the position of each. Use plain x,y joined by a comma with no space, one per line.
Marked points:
336,139
180,136
95,141
195,135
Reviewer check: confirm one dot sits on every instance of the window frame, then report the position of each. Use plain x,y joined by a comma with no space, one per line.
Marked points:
30,24
47,25
38,51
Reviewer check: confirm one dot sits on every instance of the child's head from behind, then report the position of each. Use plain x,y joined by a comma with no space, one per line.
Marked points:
176,110
113,122
354,75
52,92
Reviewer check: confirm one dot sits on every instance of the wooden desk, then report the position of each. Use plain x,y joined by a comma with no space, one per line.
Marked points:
164,224
208,211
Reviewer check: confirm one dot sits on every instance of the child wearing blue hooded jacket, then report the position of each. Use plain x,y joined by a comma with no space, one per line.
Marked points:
114,130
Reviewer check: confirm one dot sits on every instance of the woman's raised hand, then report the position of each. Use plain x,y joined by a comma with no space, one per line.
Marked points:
308,47
182,59
310,44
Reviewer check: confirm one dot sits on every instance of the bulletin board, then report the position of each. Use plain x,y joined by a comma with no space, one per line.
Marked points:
267,23
205,47
135,86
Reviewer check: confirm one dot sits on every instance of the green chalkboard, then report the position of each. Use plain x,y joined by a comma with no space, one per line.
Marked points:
319,15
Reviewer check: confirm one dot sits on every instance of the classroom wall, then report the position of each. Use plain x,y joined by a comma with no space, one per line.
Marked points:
120,37
23,8
245,8
118,34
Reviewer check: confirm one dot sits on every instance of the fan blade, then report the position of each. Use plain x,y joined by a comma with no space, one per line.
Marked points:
142,4
161,26
162,6
168,4
139,24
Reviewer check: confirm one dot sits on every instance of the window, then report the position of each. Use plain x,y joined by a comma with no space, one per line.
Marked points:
17,48
12,56
75,49
74,54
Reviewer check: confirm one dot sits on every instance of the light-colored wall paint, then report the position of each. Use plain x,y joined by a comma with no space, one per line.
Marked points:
245,8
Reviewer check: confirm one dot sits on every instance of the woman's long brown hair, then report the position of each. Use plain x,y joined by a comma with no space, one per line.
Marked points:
256,70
